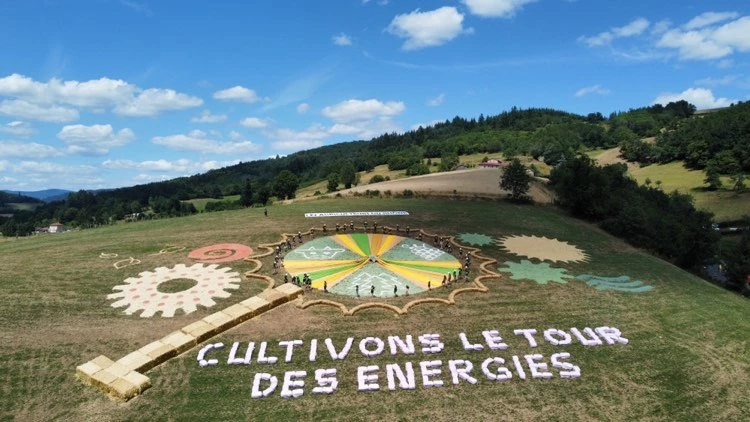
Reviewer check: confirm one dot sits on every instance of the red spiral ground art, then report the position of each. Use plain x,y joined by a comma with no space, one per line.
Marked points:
223,252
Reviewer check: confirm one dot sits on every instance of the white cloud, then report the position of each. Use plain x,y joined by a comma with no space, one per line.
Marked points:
303,108
154,101
149,178
365,129
635,27
207,117
18,128
96,93
49,168
342,40
693,45
661,27
593,89
427,29
357,110
701,98
495,8
44,113
699,40
239,93
736,34
197,141
361,119
94,139
709,18
180,166
254,122
288,139
59,101
434,102
33,174
27,150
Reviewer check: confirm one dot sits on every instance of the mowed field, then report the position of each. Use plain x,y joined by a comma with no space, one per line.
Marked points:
471,160
479,182
687,357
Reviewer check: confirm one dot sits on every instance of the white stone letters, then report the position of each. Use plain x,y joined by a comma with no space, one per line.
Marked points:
402,375
429,370
366,381
405,380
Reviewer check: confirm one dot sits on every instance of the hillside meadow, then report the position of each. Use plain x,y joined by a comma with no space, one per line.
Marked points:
686,357
725,204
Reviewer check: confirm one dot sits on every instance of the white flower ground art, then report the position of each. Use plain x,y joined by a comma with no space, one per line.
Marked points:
142,293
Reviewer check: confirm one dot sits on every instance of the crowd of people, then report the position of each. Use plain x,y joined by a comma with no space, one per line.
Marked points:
439,242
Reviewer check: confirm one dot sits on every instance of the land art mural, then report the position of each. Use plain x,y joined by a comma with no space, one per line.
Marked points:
381,265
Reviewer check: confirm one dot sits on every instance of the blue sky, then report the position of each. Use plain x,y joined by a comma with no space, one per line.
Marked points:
110,93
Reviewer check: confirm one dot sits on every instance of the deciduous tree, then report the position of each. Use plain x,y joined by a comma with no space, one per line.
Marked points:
516,181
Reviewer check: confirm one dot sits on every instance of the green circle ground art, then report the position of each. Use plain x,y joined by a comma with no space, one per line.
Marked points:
352,264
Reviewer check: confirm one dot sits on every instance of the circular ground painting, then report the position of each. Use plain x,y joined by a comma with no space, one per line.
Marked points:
352,264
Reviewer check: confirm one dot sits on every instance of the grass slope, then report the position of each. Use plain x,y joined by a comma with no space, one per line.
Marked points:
725,204
687,358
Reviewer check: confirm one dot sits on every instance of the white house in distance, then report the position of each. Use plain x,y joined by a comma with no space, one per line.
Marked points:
57,228
493,164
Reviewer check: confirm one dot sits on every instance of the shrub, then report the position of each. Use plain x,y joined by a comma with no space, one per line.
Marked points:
377,179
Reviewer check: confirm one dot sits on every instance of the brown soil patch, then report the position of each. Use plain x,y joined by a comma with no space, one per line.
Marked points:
613,156
481,182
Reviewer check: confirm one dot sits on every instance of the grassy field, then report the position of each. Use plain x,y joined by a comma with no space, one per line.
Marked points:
687,357
200,203
725,204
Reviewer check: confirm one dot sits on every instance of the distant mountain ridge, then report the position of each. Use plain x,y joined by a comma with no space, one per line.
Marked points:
47,195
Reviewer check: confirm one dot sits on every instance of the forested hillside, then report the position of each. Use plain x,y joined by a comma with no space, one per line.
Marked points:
552,136
718,142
